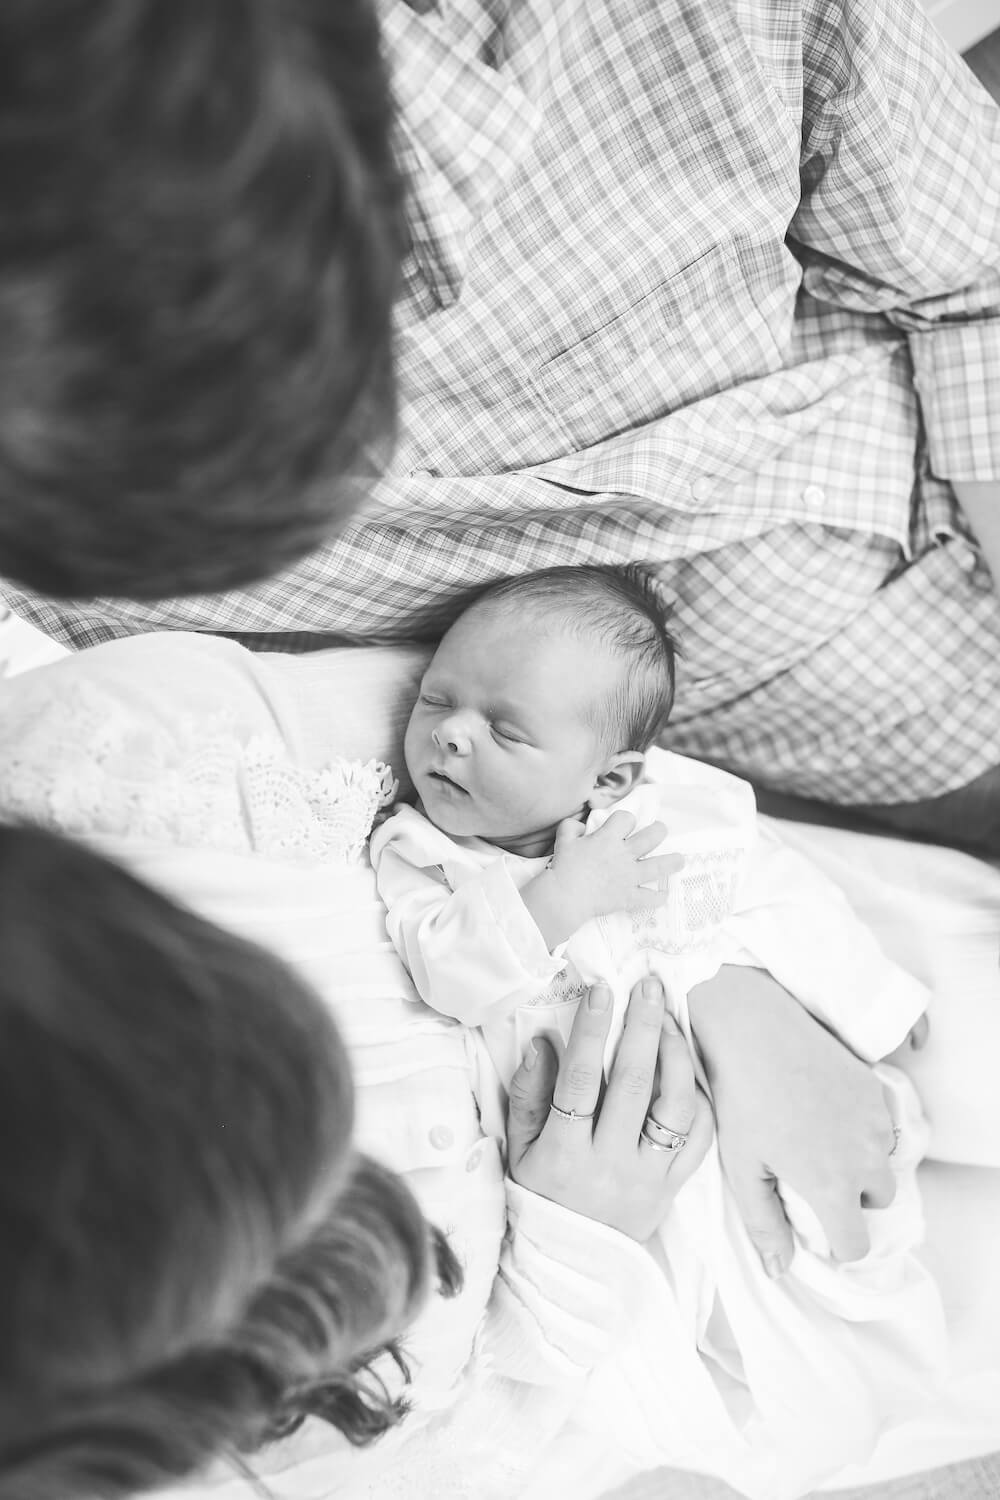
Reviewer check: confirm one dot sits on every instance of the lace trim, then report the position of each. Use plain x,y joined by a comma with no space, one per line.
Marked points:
88,765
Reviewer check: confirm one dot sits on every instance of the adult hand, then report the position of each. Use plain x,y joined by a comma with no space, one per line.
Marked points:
792,1103
599,1166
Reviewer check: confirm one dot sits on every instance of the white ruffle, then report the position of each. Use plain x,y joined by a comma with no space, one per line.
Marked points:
84,764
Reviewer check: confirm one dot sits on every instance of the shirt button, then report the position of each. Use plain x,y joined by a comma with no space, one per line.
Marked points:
441,1137
474,1160
702,488
813,495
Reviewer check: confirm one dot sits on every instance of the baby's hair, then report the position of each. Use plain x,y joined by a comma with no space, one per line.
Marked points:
192,1256
620,609
201,243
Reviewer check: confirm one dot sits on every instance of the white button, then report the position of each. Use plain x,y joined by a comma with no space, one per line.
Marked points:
441,1137
474,1160
702,488
838,403
813,496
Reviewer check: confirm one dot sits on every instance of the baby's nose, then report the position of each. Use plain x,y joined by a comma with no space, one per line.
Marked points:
452,737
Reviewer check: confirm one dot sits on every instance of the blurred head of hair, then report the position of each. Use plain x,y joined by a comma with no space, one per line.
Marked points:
193,1258
199,251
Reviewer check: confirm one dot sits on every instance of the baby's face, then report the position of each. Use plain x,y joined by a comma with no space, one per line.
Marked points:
498,745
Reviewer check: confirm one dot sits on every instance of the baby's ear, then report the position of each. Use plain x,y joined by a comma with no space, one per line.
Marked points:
619,775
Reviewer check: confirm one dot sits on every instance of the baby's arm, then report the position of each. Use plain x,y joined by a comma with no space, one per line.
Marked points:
793,921
467,950
487,943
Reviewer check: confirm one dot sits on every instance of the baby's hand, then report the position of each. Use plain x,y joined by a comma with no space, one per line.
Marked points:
609,870
594,873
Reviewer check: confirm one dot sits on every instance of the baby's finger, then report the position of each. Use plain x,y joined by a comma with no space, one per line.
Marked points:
645,840
567,832
659,868
618,825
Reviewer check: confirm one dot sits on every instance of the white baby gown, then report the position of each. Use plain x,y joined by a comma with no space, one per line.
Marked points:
771,1384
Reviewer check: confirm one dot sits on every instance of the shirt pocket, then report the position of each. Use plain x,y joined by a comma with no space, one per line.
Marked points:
701,331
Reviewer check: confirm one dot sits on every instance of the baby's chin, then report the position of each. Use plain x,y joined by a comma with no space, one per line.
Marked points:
448,808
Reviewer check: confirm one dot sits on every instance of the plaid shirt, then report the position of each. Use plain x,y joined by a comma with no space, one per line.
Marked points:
706,284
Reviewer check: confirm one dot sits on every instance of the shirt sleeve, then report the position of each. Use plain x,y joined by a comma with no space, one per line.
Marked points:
793,921
470,952
900,209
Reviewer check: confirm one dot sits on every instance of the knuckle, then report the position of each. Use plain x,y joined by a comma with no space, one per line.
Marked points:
580,1078
528,1111
634,1079
676,1114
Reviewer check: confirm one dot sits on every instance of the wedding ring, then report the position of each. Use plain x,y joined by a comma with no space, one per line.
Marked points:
661,1137
571,1114
896,1133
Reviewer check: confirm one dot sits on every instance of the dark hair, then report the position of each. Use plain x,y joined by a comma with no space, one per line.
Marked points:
192,1257
620,609
199,249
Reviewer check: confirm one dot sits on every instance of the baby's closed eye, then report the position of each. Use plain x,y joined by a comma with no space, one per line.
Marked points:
504,732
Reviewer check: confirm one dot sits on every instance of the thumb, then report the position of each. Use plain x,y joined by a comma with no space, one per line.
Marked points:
568,830
530,1095
763,1216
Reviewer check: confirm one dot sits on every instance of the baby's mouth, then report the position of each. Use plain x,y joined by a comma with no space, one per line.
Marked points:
443,776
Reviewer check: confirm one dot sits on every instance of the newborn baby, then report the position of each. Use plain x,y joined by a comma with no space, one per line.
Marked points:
552,848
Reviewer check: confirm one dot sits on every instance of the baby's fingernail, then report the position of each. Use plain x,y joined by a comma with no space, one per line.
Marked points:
652,989
774,1265
600,997
530,1056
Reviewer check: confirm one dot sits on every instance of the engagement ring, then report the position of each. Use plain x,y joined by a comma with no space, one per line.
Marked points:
661,1137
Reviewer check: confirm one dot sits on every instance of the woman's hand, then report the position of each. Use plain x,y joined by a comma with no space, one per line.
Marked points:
791,1103
599,1166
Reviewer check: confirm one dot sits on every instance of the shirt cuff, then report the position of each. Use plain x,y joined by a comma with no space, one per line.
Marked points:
957,374
568,1283
889,1012
515,923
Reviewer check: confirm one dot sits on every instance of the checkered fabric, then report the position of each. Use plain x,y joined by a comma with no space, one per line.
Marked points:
713,285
